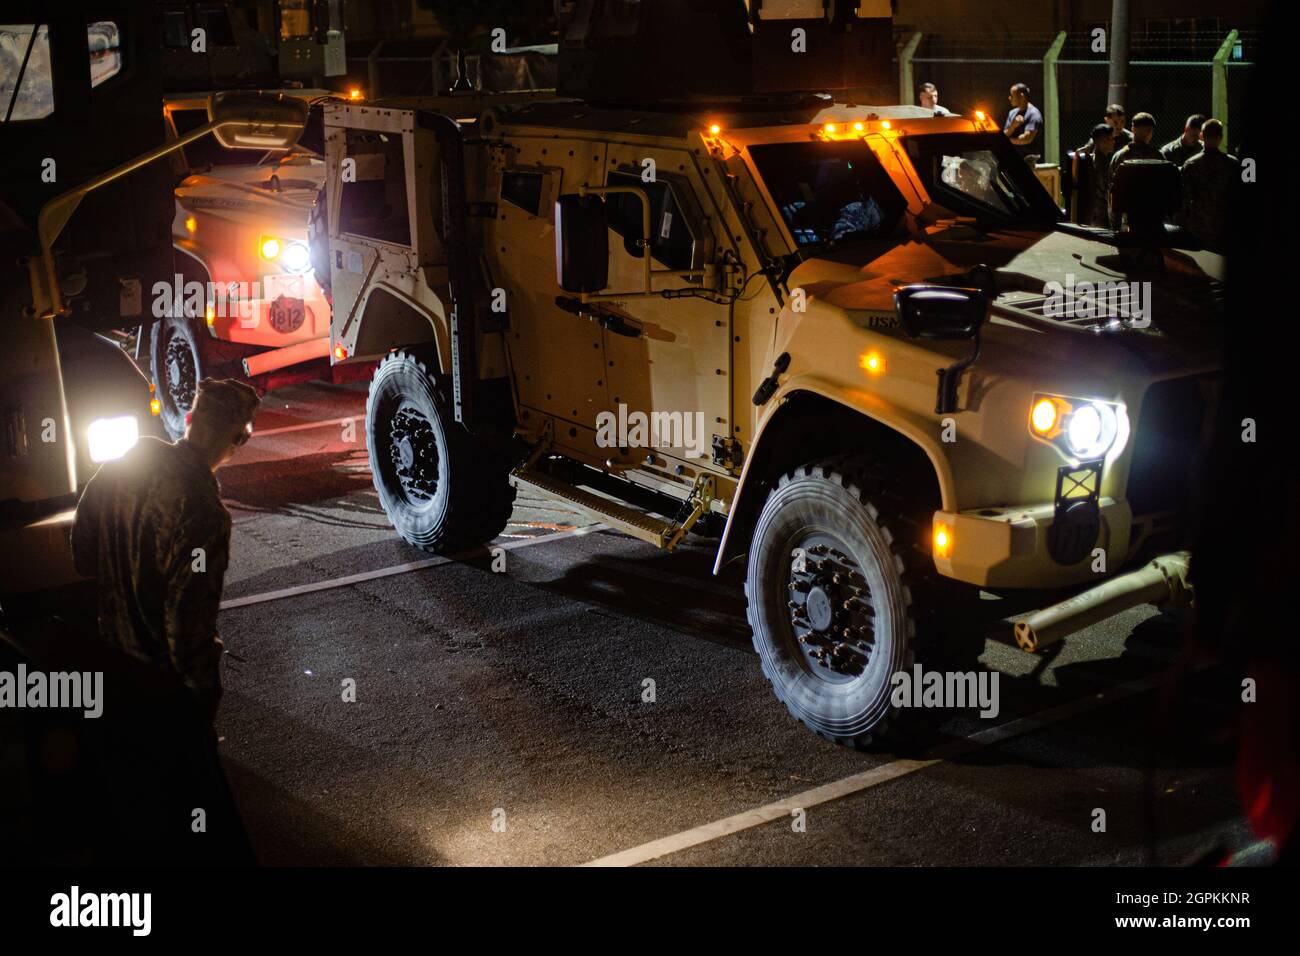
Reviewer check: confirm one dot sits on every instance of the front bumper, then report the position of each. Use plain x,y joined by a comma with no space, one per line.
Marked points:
1008,547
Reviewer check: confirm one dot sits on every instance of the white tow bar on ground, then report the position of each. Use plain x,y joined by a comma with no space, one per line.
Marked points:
1161,581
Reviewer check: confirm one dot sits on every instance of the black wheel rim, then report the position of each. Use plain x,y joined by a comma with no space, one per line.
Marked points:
831,610
413,454
182,381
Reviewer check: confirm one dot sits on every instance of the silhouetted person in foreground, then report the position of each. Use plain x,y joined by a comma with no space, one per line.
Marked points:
152,531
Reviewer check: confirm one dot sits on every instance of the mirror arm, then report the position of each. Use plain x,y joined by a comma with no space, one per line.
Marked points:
56,213
950,378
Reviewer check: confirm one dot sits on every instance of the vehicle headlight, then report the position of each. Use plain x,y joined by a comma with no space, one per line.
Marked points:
296,257
1081,429
111,438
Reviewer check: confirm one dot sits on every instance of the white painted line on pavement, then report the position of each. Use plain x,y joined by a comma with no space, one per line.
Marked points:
395,569
305,426
858,782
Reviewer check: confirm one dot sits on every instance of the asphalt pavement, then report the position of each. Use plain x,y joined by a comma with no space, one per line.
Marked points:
497,708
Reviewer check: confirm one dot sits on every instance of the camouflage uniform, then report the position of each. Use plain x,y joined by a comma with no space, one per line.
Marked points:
1133,150
1178,152
1208,178
1099,208
137,526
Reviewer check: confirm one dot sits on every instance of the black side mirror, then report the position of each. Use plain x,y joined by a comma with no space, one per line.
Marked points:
581,243
944,312
941,312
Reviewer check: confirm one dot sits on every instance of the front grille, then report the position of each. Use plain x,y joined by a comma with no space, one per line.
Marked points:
1167,444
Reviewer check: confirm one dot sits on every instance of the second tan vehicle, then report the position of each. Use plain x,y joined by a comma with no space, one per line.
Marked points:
855,343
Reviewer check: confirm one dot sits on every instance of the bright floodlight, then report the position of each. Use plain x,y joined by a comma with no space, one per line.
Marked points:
112,438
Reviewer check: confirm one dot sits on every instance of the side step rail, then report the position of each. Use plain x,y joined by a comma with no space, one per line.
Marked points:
660,532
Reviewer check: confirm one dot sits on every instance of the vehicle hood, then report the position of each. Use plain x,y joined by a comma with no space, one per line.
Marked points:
239,193
1181,291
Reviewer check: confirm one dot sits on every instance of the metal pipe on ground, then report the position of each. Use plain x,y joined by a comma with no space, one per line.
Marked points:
269,361
1163,580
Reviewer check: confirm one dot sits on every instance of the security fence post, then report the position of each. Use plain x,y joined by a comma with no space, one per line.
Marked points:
906,87
1219,82
1052,102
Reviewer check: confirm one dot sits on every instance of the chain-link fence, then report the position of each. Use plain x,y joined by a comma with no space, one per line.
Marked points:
1171,77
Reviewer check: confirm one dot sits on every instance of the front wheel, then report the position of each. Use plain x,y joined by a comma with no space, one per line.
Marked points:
177,364
442,490
829,599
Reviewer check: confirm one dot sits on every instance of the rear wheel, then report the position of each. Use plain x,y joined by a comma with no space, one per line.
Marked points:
442,490
832,573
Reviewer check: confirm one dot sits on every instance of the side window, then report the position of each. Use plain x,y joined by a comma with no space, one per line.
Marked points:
175,29
216,23
522,189
671,240
105,51
374,206
295,18
26,77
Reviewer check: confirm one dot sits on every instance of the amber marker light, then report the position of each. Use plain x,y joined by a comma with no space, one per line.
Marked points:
1043,416
191,224
942,541
155,407
859,127
873,362
269,247
830,129
210,315
714,129
354,93
885,124
340,352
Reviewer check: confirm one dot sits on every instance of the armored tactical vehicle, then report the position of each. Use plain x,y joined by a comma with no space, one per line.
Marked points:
854,342
253,307
253,303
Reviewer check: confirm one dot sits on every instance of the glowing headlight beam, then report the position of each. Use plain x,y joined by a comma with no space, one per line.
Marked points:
296,257
111,438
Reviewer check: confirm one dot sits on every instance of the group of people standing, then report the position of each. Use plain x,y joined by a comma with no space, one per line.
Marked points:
1207,172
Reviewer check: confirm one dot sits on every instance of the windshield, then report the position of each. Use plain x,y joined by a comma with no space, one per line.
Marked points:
829,192
980,175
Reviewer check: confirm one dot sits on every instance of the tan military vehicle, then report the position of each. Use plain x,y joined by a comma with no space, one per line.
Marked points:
855,342
251,302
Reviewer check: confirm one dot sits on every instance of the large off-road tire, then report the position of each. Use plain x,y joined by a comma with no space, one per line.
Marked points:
833,571
442,490
177,364
181,354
